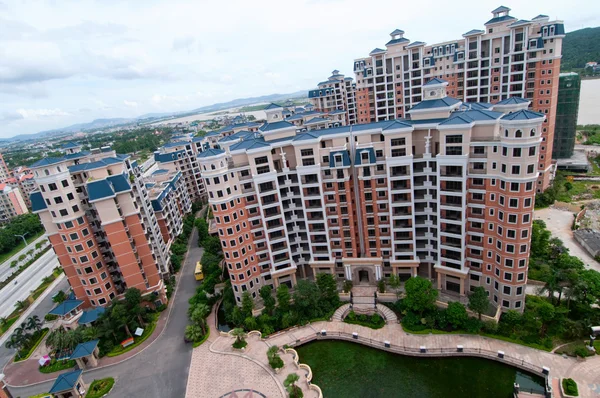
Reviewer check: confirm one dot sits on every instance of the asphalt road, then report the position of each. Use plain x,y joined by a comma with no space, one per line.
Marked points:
6,270
28,280
161,370
41,308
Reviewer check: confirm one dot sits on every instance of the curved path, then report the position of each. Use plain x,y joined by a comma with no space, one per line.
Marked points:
387,314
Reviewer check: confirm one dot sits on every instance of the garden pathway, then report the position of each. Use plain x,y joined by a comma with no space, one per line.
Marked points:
388,314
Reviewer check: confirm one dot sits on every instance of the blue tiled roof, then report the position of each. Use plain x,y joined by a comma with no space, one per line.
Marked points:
435,103
501,9
273,106
316,120
396,41
376,51
435,81
107,188
210,152
37,201
95,165
397,32
345,158
523,115
275,126
160,171
474,32
415,44
513,101
254,143
358,157
197,139
65,307
84,349
47,162
541,16
70,145
297,116
214,133
476,105
337,112
65,382
168,157
519,23
91,315
470,116
500,19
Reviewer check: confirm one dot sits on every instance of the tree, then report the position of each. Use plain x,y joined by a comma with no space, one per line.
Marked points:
118,314
478,301
133,301
283,298
59,297
198,316
20,305
3,322
456,314
266,294
395,283
290,384
194,333
306,300
34,323
420,295
90,333
247,304
202,227
327,285
239,334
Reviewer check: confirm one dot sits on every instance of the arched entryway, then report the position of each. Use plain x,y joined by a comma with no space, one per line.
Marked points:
363,277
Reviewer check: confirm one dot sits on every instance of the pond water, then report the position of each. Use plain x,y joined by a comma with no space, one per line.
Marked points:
222,324
344,369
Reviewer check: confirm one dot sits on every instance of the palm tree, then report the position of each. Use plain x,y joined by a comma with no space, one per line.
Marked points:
193,333
59,297
3,322
199,314
290,383
20,305
34,323
90,333
120,317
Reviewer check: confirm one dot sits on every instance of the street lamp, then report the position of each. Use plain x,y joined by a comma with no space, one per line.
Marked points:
23,237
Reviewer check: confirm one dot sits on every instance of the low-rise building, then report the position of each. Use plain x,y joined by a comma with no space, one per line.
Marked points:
12,203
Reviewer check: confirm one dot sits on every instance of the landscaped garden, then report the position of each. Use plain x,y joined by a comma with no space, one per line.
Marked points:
345,369
101,387
374,321
26,338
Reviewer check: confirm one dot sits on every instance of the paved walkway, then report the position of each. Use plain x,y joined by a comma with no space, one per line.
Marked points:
387,314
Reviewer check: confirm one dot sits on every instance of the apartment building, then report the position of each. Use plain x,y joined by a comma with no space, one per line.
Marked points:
26,185
99,220
337,93
4,173
180,155
447,194
510,58
11,203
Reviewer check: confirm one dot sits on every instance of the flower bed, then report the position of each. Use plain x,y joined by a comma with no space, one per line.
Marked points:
100,388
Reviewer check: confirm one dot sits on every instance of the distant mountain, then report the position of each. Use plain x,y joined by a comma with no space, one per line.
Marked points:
99,124
580,47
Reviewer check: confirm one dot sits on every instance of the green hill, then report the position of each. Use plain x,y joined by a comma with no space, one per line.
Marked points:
580,47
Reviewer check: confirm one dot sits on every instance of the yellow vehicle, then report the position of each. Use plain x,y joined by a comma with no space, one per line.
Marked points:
198,273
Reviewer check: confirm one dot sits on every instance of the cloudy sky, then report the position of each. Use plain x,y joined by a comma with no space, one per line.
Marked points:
72,61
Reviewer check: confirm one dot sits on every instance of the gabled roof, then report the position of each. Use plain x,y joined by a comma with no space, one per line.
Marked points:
316,120
513,101
275,126
47,162
95,165
65,307
523,114
213,133
91,315
470,116
474,32
416,44
108,187
396,41
337,112
501,9
210,152
37,201
397,32
475,106
273,106
503,18
254,143
541,16
376,51
520,22
435,81
65,382
435,103
84,349
297,116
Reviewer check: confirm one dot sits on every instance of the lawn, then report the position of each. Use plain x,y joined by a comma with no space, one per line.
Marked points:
56,366
118,350
199,343
101,387
371,321
19,247
8,324
578,348
580,188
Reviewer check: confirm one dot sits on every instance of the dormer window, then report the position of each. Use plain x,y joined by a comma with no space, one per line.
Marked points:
452,49
435,52
551,30
545,31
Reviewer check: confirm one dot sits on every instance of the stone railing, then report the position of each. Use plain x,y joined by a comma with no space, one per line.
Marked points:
306,368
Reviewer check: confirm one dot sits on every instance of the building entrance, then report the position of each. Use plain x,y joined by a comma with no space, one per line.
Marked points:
363,276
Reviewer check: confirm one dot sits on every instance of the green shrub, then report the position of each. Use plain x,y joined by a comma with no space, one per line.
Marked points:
99,388
239,344
347,286
570,387
50,317
276,362
582,352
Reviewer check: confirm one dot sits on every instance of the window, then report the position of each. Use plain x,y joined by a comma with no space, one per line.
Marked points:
65,183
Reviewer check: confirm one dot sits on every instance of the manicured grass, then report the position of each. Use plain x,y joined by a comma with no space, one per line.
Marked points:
56,366
19,247
199,343
25,355
119,350
41,288
43,395
570,387
101,387
8,324
576,348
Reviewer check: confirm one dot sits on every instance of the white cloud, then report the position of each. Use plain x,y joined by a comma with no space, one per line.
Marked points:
131,104
41,113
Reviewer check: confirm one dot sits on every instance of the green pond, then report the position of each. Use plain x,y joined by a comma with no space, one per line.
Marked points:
344,369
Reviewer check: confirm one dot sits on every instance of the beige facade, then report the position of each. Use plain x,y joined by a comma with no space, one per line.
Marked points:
447,195
336,94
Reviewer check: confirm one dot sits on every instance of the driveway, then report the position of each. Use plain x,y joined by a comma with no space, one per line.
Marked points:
161,370
559,223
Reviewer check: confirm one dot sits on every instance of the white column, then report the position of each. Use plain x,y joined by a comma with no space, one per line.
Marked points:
377,272
348,272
